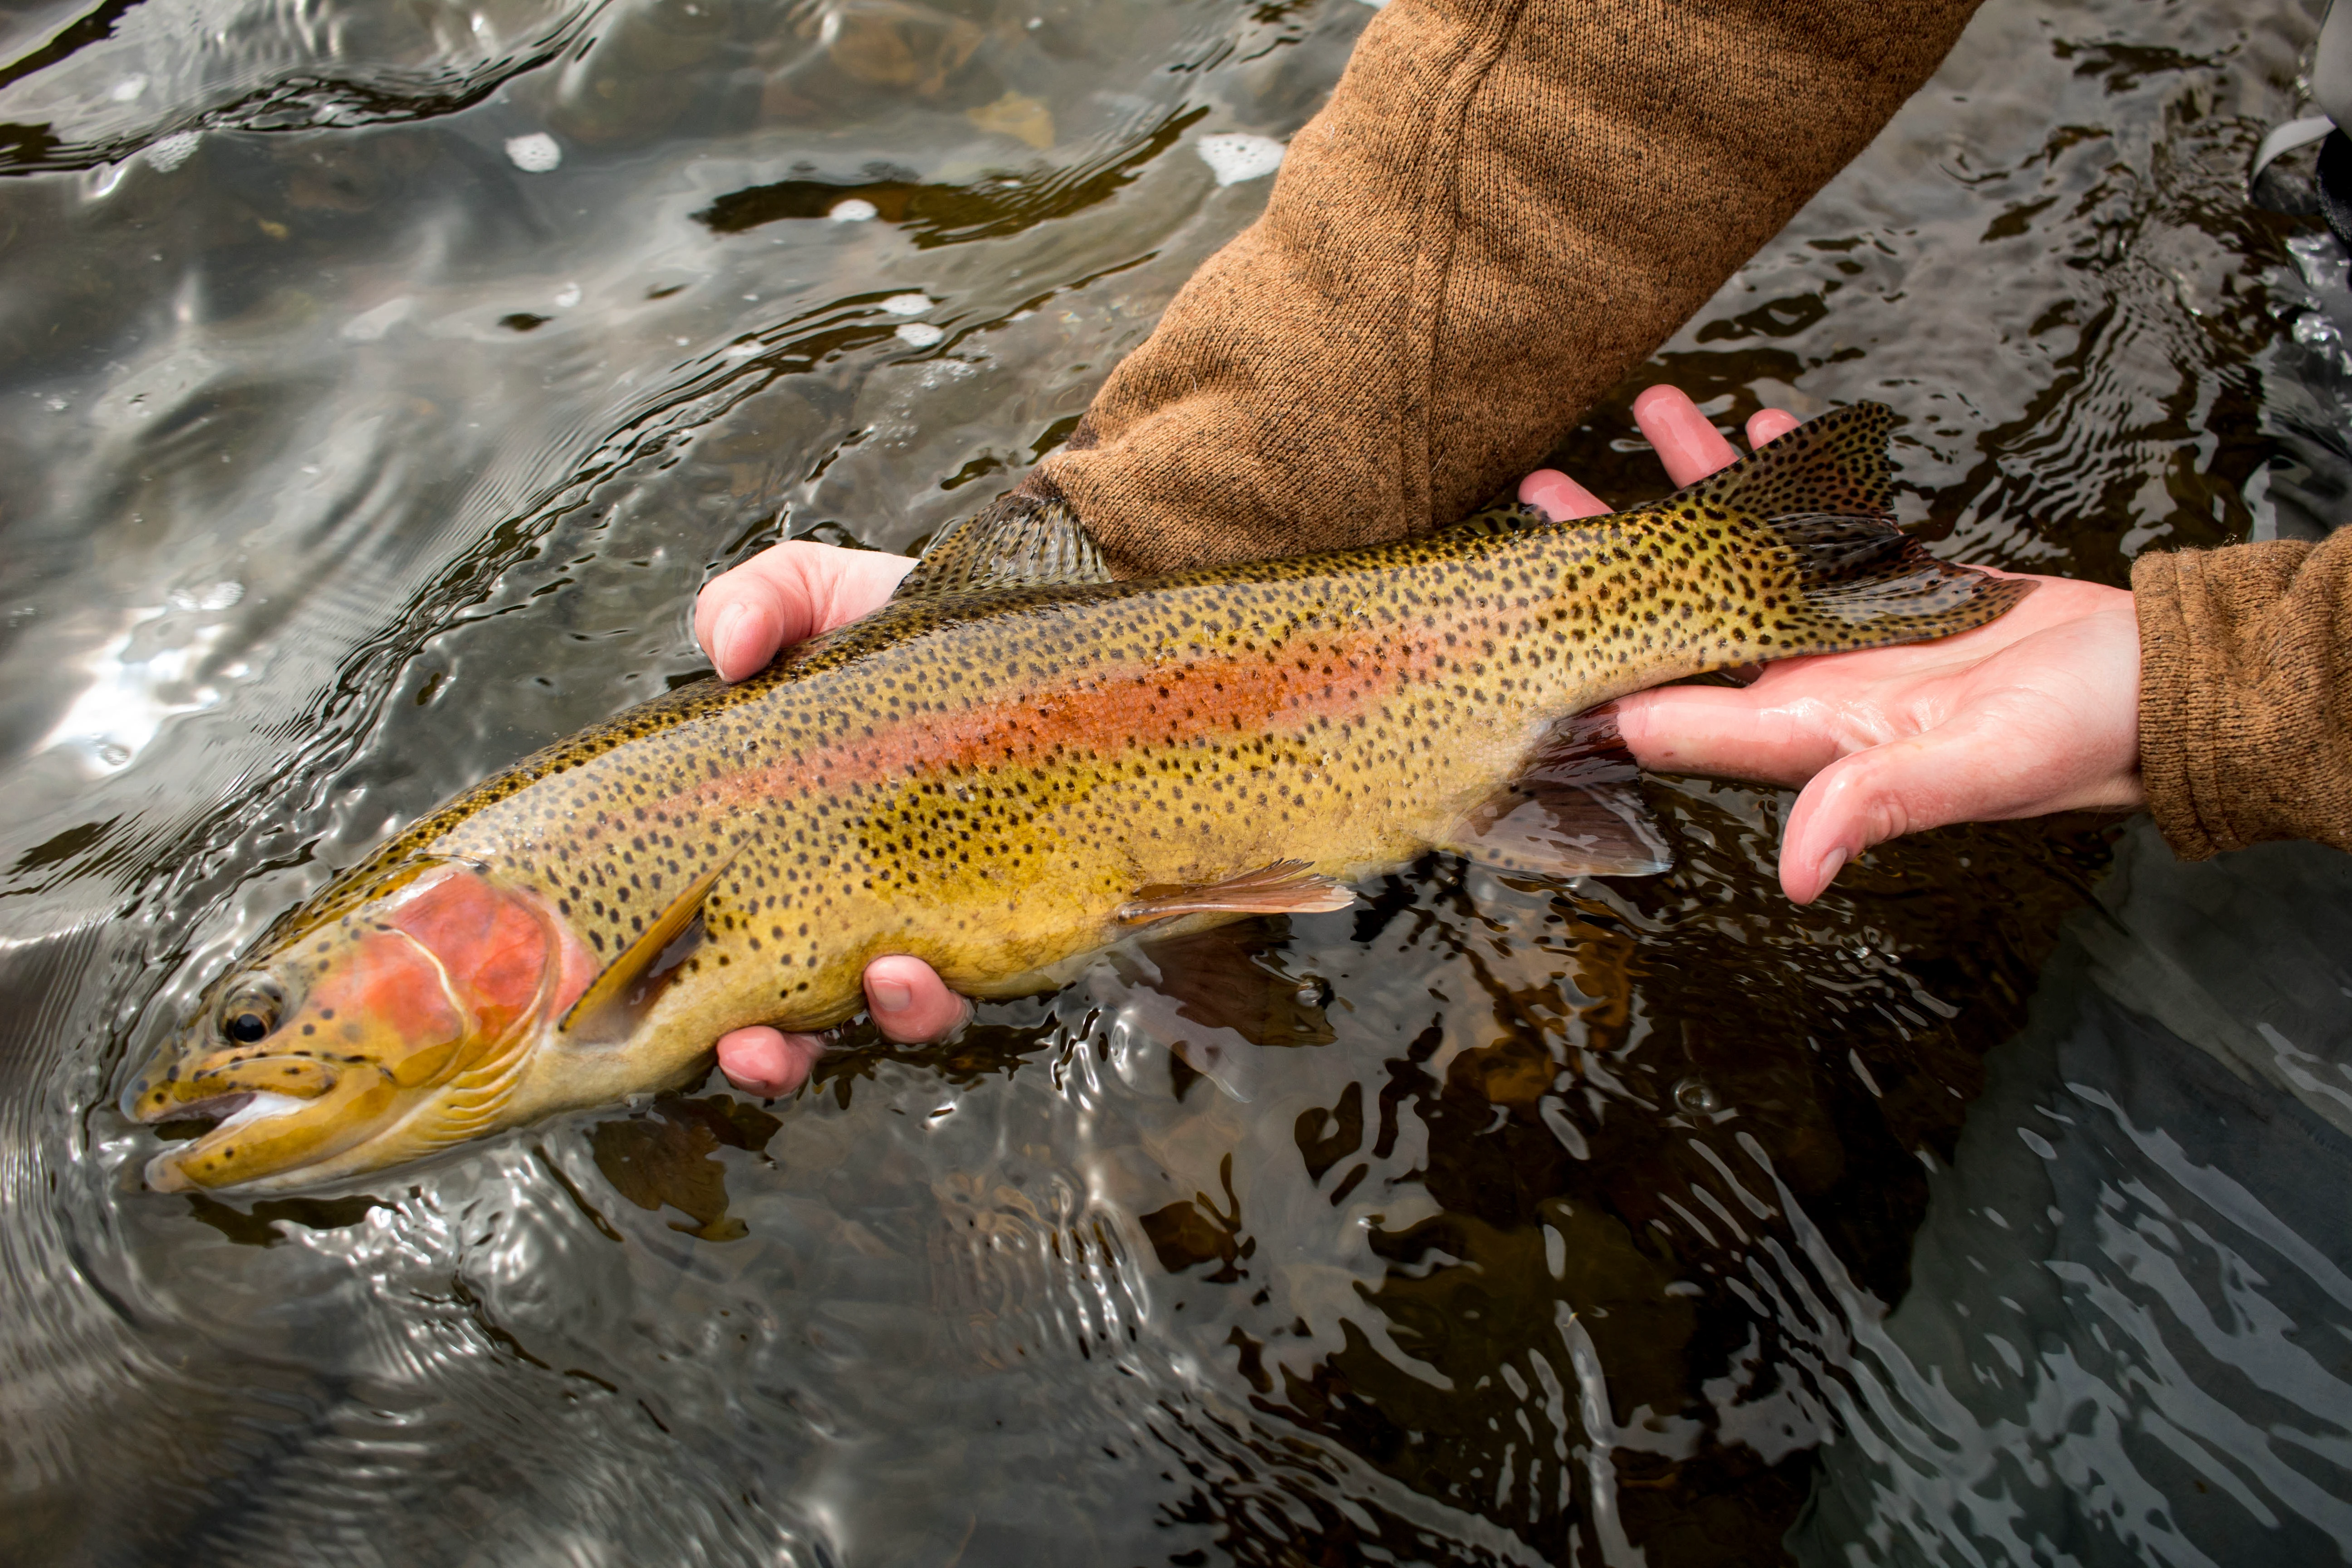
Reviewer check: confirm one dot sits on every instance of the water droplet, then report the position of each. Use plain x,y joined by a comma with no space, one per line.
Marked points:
1234,157
1697,1096
920,335
855,210
535,153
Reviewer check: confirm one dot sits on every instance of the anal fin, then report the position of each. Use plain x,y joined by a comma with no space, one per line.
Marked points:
1283,887
1543,830
609,1004
1573,811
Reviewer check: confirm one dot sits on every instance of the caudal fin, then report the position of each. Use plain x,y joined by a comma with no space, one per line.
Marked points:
1823,492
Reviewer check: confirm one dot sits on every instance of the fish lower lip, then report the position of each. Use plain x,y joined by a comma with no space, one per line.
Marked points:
165,1172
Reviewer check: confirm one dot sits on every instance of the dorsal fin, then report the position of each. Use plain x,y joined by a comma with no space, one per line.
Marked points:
1015,542
1502,517
1833,465
612,996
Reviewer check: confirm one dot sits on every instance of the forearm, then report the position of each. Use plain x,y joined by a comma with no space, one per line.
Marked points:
2245,689
1506,205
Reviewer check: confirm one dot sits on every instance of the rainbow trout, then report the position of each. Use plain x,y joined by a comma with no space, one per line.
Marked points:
1014,764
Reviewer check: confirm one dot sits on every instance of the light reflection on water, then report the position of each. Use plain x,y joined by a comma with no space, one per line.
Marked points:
347,453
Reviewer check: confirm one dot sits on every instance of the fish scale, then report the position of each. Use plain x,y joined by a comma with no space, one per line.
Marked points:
1003,780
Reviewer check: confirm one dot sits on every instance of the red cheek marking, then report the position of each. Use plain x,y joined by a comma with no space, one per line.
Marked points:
576,967
510,964
387,981
492,943
579,969
448,913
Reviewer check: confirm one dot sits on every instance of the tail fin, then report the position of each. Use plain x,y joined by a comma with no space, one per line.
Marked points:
1835,464
1823,492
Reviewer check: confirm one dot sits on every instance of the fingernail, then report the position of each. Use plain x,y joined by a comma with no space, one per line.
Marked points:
1831,863
890,995
723,636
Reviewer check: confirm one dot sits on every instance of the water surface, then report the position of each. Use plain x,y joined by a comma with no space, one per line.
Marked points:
348,450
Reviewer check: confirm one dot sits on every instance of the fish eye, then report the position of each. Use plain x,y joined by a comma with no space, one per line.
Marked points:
251,1012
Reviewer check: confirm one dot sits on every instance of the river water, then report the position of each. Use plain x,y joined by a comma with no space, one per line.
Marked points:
378,382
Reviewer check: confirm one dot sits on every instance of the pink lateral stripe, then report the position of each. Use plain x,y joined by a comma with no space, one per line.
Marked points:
1110,713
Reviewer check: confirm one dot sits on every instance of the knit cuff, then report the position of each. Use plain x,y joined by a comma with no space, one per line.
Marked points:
2243,677
2169,709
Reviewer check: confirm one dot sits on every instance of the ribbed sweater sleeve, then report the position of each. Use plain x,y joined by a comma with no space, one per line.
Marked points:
1504,207
2245,692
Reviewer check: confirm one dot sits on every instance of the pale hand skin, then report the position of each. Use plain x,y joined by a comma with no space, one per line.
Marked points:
2036,713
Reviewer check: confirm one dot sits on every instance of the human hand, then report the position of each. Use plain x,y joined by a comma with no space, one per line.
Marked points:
2035,712
788,594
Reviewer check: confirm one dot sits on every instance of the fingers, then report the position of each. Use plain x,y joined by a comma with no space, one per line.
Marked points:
742,617
1849,805
1687,442
910,1002
1767,425
1559,498
785,594
767,1062
1729,732
1983,767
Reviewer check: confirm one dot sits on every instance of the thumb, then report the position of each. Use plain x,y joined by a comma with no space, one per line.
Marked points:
1952,773
1856,801
743,616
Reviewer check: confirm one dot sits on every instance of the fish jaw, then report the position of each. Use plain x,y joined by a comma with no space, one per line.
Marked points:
395,1031
267,1138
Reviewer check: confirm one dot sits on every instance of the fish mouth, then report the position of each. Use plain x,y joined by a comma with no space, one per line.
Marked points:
231,1115
261,1129
190,1091
218,1109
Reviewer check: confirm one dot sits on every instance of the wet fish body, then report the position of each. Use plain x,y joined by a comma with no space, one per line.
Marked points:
1004,780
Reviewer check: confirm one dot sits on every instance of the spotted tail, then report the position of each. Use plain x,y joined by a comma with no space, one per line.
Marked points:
1823,492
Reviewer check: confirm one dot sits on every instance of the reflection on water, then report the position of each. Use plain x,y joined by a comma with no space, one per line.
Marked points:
380,381
2126,1331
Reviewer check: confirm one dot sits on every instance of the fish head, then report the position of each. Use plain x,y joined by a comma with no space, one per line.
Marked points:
394,1024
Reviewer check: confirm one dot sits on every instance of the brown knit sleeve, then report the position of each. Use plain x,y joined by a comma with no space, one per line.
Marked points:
2245,688
1506,205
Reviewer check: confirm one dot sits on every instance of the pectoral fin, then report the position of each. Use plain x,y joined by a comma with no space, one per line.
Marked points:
1285,888
614,998
1573,811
